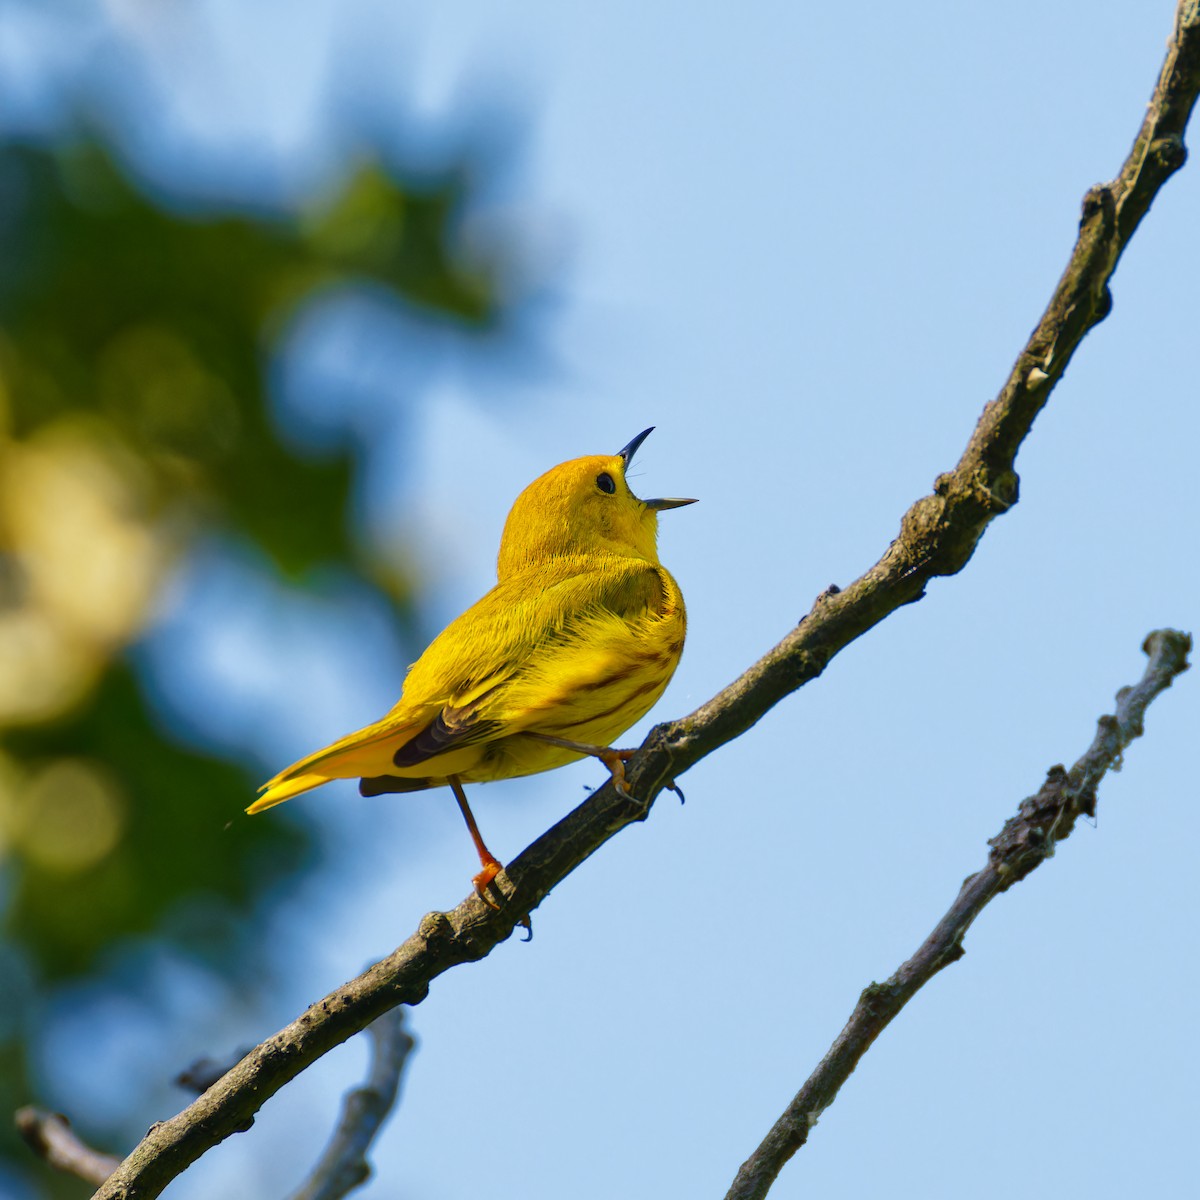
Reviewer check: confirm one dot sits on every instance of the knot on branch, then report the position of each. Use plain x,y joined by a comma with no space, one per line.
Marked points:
878,999
1098,204
1041,821
997,491
1169,153
1171,647
435,927
939,532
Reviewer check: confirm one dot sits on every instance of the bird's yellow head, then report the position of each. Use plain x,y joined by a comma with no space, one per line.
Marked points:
582,507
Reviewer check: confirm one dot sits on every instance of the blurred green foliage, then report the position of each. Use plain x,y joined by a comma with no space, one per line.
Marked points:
167,818
112,304
133,418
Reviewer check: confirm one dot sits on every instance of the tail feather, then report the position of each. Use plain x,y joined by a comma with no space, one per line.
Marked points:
280,792
366,752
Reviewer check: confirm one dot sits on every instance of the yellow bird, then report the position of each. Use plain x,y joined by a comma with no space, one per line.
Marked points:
575,643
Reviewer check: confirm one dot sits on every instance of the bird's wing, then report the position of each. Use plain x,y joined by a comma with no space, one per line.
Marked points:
469,685
482,665
452,729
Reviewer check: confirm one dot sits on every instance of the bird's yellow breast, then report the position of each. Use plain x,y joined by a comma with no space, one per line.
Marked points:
598,676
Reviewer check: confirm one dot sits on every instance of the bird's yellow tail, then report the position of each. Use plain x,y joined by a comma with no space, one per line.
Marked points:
366,752
280,792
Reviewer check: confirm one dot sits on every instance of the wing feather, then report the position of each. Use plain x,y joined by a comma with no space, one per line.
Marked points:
476,681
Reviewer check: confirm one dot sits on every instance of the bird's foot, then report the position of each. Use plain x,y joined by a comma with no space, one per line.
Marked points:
615,761
672,786
483,881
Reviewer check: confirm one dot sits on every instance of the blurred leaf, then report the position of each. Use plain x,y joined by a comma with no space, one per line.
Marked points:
157,322
177,830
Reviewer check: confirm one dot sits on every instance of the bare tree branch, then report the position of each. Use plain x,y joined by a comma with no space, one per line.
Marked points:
937,536
50,1136
344,1166
1026,841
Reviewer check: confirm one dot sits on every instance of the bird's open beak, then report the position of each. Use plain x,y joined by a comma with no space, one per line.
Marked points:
628,453
630,450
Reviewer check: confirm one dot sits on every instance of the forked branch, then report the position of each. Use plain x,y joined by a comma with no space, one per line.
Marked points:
342,1167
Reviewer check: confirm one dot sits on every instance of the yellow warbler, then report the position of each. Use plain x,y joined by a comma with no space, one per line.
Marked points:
576,641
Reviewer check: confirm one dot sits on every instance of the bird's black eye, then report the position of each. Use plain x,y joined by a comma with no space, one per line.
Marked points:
604,481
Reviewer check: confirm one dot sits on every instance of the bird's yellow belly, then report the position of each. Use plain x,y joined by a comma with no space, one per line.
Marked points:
593,706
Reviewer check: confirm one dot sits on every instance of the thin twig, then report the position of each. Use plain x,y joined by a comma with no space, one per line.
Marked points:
204,1072
50,1136
1026,841
344,1166
937,536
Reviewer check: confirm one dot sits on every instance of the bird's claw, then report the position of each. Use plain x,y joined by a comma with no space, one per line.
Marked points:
615,761
483,881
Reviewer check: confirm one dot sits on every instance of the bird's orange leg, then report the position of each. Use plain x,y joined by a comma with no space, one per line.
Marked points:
492,866
614,760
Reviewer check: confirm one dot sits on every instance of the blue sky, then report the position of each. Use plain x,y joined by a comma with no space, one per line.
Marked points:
806,242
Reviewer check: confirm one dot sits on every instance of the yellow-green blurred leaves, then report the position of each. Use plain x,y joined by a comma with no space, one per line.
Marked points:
62,818
112,823
82,562
161,325
400,238
152,383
